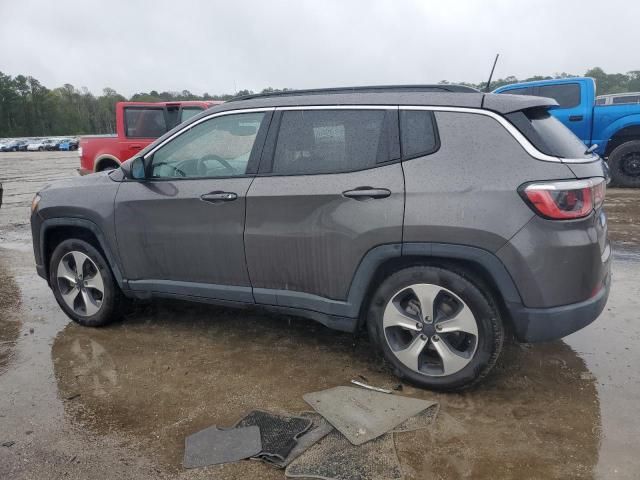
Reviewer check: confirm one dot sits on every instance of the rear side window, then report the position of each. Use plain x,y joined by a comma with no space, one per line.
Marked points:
145,122
547,133
567,94
329,141
626,99
519,91
417,133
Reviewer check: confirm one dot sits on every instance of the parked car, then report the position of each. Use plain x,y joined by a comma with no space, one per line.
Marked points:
431,220
68,144
137,125
40,145
618,98
612,130
14,146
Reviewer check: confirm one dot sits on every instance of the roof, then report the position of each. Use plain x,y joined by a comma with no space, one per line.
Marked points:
502,104
362,89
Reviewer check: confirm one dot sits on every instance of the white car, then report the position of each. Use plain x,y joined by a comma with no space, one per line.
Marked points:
39,145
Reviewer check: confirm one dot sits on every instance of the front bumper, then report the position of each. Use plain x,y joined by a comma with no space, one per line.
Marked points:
543,324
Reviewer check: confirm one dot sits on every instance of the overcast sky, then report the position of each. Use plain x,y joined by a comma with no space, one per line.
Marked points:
223,46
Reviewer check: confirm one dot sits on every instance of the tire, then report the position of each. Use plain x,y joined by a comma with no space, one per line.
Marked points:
40,149
99,308
456,299
624,163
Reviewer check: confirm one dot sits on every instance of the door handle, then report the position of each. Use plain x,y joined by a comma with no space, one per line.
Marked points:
215,197
575,118
362,193
135,147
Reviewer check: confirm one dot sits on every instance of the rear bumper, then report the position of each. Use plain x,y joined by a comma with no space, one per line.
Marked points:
544,324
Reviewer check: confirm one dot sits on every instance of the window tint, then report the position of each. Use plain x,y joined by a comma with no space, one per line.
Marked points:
519,91
145,122
567,95
327,141
547,133
189,112
626,99
219,147
418,133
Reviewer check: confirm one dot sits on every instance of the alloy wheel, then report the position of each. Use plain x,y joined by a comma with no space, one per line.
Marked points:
430,329
80,283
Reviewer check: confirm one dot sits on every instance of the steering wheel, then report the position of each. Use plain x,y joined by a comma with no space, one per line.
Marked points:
202,169
176,170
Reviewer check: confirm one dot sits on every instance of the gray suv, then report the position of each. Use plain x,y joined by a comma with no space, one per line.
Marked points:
435,218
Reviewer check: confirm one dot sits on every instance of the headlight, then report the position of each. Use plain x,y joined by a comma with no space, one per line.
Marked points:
34,203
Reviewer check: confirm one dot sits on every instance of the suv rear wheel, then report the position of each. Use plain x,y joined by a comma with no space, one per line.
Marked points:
435,327
83,284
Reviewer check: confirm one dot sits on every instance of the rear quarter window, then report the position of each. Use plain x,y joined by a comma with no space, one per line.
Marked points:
418,133
145,122
547,133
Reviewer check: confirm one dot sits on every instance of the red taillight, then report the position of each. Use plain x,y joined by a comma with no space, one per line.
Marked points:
565,200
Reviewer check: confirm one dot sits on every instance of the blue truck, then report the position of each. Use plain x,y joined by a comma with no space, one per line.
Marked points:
614,128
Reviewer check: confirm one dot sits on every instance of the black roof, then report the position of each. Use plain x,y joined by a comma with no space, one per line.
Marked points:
362,89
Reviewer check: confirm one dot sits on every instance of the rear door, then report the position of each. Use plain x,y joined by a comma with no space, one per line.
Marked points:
330,188
181,229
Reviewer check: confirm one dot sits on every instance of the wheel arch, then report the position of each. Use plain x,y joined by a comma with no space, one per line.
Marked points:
105,159
622,130
55,230
480,265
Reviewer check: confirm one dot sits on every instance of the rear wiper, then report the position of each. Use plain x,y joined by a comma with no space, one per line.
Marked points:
591,149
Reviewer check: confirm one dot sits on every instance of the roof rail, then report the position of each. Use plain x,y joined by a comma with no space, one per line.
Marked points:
364,89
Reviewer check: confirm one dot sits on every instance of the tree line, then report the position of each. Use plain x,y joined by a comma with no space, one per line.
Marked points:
28,108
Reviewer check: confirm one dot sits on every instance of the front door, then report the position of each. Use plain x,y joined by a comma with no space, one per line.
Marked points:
328,192
181,229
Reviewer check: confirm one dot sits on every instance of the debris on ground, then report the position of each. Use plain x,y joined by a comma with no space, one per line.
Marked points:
8,444
370,387
335,458
362,415
214,446
278,433
320,428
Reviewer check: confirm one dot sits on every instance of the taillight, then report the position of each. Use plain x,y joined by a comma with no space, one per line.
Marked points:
565,199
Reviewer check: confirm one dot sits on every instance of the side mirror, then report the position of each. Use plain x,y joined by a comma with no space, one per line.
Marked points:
137,169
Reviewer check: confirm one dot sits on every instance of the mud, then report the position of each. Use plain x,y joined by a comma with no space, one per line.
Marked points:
117,402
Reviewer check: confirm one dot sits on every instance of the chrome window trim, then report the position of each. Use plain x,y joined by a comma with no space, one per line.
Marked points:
204,119
515,133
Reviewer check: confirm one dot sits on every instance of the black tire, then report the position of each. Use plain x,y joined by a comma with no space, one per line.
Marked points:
112,301
624,163
490,330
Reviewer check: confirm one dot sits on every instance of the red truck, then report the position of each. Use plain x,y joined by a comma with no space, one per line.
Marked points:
137,125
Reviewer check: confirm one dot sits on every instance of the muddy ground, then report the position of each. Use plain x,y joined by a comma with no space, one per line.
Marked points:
117,402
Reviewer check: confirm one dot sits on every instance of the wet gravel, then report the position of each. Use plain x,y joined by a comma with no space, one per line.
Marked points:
117,402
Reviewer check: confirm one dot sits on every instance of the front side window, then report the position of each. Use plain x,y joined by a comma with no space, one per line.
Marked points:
567,94
145,122
219,147
330,141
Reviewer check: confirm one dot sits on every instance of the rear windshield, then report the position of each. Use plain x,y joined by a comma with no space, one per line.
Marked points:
548,134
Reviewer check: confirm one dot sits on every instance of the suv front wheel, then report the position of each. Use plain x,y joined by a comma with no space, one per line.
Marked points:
83,284
435,327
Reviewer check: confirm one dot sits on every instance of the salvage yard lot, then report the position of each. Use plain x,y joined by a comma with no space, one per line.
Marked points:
117,402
